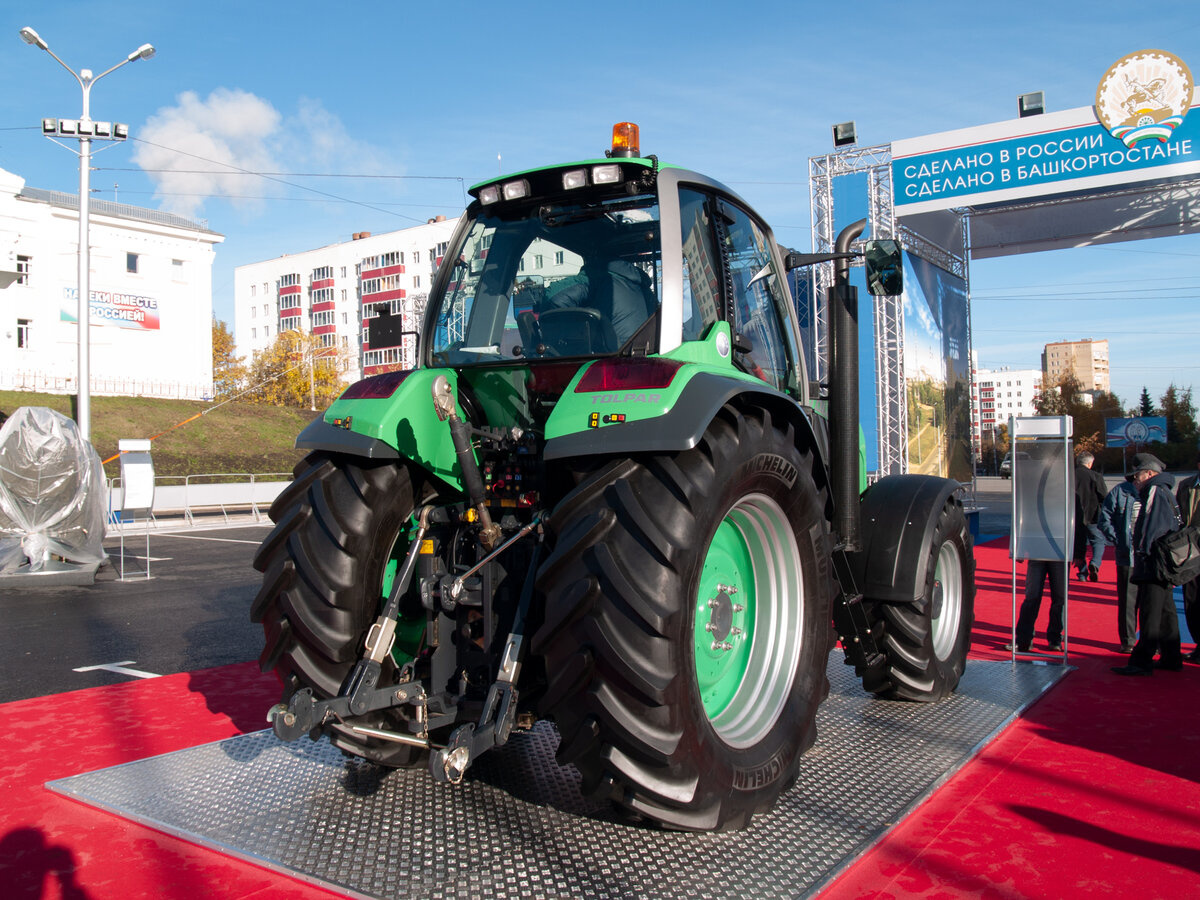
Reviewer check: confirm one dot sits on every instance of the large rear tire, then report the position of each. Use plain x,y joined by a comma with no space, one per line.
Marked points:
925,644
686,626
341,526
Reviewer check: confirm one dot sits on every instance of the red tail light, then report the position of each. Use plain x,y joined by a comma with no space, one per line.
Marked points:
377,387
628,375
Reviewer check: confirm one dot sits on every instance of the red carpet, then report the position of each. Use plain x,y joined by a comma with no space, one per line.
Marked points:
1092,793
53,847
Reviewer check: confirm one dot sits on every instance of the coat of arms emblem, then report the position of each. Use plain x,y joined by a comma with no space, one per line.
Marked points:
1144,96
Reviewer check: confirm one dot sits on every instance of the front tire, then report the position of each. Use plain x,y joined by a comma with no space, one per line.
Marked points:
687,625
926,643
341,526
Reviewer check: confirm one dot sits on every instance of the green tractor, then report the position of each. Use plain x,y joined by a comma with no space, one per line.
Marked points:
608,497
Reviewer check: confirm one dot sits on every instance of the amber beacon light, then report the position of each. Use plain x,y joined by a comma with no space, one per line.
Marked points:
625,140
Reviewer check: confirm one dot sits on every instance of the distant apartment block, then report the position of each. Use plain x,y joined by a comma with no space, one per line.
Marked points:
335,291
1086,359
997,394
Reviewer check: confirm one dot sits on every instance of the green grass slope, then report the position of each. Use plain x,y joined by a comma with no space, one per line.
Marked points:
233,438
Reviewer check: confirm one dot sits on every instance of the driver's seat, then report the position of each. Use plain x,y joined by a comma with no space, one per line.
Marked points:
576,331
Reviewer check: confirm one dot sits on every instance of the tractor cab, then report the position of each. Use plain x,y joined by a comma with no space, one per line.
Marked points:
619,256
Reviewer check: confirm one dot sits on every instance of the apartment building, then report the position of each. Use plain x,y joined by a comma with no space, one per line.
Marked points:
997,394
1086,359
335,291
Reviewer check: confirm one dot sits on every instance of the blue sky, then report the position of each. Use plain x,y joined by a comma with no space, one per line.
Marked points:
372,116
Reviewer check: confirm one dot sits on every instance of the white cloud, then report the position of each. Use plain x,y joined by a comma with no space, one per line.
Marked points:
202,148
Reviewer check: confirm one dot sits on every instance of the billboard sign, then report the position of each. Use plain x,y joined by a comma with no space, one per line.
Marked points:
1131,432
1139,130
112,308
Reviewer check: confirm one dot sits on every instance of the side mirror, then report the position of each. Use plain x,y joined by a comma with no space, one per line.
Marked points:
885,270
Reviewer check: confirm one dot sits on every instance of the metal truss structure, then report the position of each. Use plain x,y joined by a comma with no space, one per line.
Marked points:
876,163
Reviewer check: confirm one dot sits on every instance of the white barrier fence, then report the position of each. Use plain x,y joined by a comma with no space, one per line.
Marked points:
44,382
189,496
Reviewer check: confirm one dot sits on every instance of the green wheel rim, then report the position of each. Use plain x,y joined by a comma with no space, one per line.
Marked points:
748,620
410,630
947,600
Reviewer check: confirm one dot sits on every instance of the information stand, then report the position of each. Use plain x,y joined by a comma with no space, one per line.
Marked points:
1043,504
137,490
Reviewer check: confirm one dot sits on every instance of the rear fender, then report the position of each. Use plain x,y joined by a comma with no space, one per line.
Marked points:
680,425
899,515
403,425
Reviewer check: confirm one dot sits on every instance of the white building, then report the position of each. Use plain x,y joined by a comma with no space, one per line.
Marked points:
151,296
997,394
335,291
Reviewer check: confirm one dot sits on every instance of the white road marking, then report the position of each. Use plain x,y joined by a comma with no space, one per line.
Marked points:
120,669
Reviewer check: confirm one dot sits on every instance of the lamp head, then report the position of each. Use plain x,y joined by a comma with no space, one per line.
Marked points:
29,36
143,52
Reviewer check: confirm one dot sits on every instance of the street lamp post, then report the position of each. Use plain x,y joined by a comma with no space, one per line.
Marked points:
85,130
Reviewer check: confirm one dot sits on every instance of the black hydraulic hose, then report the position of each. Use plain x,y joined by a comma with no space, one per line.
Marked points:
843,394
460,436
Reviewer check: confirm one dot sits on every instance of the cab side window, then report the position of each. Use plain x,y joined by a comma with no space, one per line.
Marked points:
701,266
757,304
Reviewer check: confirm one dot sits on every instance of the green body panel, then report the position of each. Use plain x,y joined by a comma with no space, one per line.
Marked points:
407,422
572,414
502,393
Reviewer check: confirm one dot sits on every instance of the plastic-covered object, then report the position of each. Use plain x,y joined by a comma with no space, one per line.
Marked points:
52,492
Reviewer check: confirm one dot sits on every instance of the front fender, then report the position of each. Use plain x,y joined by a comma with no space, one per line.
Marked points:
899,515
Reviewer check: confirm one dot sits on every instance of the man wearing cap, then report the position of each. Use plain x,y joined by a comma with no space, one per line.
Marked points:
1156,606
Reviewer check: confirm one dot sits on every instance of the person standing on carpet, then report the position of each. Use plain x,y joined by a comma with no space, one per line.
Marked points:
1155,601
1117,515
1036,573
1090,490
1188,497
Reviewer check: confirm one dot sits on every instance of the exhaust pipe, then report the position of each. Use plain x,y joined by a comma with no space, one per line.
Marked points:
843,394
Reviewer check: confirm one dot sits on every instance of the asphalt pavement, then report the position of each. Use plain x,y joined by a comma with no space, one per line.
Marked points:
192,613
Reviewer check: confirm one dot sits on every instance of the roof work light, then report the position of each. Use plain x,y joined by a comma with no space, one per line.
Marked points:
625,140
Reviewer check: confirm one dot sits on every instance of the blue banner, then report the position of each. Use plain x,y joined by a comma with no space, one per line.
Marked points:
1028,161
1131,432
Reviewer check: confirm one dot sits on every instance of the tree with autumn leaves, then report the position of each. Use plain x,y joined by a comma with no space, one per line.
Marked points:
295,370
1068,398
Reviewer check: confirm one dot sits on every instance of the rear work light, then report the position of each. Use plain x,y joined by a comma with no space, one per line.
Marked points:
628,375
377,387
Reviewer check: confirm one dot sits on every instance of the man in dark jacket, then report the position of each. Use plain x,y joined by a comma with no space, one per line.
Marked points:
1188,497
1156,605
1117,517
1090,491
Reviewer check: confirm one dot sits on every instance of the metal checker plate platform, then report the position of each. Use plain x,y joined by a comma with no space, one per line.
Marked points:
518,827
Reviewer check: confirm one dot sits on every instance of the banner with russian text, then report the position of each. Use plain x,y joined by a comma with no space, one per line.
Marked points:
113,308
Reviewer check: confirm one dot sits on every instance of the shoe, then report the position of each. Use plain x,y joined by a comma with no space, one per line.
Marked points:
1056,646
1021,648
1193,657
1127,648
1132,670
1082,574
1168,667
1093,573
